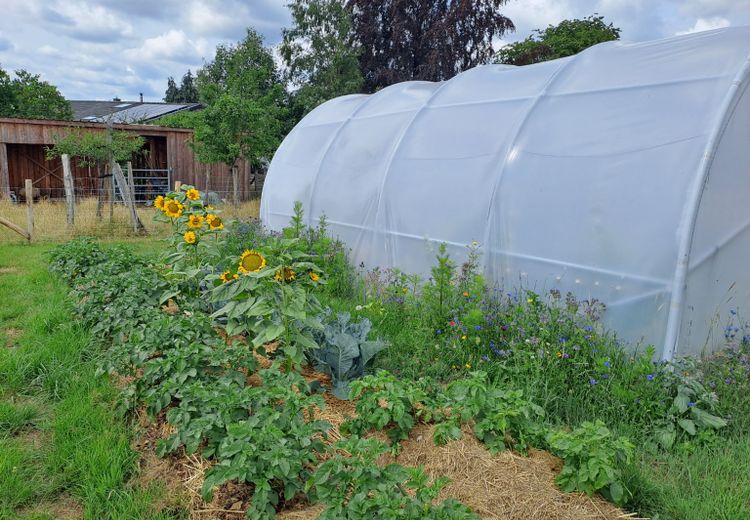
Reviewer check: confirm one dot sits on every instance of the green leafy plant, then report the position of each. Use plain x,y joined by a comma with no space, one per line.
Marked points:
593,460
353,486
501,418
387,403
344,350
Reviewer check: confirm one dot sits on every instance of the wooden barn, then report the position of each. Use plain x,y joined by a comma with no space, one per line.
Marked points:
167,158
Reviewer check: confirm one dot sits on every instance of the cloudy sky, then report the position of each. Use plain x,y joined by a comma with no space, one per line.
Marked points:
98,49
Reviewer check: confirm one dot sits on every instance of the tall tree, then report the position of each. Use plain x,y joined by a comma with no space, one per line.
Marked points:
27,96
172,94
567,38
320,53
188,91
424,39
244,96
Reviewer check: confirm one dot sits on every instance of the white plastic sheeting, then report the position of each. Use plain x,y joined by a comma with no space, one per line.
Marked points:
620,174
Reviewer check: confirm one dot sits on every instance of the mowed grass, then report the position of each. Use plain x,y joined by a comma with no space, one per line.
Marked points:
64,451
50,221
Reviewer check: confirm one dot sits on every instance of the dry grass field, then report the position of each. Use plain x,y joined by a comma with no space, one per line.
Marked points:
50,220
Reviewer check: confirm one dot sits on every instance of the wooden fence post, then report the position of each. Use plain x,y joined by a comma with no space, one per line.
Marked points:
177,185
70,199
4,174
127,195
29,208
235,187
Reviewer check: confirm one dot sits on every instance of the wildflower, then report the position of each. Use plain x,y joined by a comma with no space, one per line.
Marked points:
193,194
728,381
452,323
195,221
650,377
358,308
559,354
173,208
474,244
530,300
485,358
592,381
454,366
566,355
288,275
463,337
477,327
467,365
438,332
251,262
314,276
691,403
214,222
190,237
576,348
607,364
159,202
226,277
605,376
466,294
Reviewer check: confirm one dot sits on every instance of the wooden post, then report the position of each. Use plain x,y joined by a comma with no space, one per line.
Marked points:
131,181
235,186
127,195
29,208
111,190
177,185
4,173
99,192
208,179
70,199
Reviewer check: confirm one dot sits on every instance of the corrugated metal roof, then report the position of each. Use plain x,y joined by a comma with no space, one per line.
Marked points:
125,111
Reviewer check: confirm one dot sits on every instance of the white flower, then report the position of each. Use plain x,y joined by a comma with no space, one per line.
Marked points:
358,308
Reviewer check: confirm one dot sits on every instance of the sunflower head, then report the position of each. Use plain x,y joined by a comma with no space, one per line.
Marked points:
190,237
226,277
288,276
251,262
195,221
314,276
193,194
159,202
214,222
172,208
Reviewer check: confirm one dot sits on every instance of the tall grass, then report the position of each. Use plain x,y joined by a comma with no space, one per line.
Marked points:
50,222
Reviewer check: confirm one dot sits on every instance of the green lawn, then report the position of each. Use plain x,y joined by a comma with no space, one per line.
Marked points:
64,451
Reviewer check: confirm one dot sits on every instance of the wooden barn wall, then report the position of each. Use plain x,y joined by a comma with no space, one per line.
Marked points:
167,148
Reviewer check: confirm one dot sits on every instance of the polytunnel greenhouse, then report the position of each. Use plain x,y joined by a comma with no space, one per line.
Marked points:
621,174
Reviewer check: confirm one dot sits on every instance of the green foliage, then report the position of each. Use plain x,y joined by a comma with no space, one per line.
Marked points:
319,52
567,38
387,403
354,487
502,418
97,149
593,459
243,98
344,351
274,447
27,96
187,92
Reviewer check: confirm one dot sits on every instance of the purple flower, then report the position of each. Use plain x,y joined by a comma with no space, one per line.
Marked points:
650,377
438,331
607,364
477,327
605,376
592,381
485,358
728,381
691,403
588,328
576,348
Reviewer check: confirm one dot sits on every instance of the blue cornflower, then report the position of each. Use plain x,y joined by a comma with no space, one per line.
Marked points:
576,347
438,331
728,381
592,381
477,327
485,358
563,339
588,328
691,403
607,364
650,377
605,376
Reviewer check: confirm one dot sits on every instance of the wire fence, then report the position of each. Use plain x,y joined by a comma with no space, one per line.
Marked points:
103,220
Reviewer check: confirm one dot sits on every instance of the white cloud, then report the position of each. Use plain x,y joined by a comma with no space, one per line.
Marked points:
173,45
706,24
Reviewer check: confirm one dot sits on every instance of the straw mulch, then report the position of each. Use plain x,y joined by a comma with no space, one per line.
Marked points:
504,486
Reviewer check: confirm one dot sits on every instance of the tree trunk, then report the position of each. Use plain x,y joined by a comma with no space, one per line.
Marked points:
70,199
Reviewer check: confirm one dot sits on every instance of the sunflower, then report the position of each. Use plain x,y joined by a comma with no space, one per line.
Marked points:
226,276
159,202
214,222
193,194
289,275
190,237
314,276
172,208
251,262
195,221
